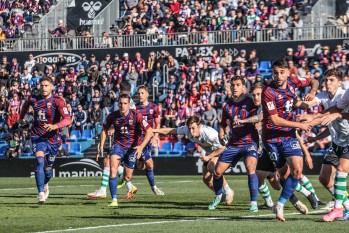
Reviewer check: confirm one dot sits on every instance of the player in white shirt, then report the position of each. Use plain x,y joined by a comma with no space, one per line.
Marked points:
207,138
336,161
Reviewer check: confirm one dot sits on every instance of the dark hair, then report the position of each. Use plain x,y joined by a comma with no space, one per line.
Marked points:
193,119
281,63
46,78
241,78
144,87
125,87
334,72
256,85
125,96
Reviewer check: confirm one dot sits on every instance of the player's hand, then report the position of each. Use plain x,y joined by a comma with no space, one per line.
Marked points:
222,141
238,122
100,151
305,126
205,158
155,142
305,118
50,127
111,131
310,96
309,162
326,120
138,152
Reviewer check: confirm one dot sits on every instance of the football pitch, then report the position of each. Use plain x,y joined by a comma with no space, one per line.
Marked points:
182,209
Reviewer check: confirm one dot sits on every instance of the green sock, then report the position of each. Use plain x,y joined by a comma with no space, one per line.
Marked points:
265,193
307,184
340,186
105,179
302,190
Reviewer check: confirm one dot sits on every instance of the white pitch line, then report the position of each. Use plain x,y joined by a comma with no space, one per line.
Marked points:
88,185
176,221
118,225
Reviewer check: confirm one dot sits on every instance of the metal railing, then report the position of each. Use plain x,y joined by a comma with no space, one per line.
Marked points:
214,37
106,18
322,11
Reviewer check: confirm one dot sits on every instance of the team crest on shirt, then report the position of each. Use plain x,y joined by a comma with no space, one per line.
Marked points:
130,122
145,123
270,105
49,105
345,150
280,97
151,111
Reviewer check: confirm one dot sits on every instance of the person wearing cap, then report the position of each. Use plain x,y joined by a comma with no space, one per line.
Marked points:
132,77
274,17
316,68
58,32
325,55
183,31
104,62
93,61
125,65
83,62
116,60
289,55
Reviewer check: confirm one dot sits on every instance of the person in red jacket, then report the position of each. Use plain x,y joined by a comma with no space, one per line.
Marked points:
12,119
175,7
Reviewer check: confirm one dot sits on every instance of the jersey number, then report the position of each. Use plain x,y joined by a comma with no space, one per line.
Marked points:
42,115
289,105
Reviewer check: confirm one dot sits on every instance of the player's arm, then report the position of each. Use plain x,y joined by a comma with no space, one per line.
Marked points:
307,156
305,104
252,119
305,82
165,131
157,126
222,126
65,117
25,109
312,117
144,126
281,122
320,136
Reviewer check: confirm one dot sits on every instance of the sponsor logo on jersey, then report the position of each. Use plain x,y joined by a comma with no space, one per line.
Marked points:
251,148
151,111
49,105
295,145
130,122
271,105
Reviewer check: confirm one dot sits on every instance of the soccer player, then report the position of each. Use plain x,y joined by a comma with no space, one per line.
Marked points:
125,88
128,126
279,128
207,138
50,115
242,143
151,114
265,167
336,161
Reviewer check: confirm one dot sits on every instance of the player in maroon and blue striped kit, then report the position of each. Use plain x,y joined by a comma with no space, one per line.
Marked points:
279,128
128,143
151,114
242,143
50,115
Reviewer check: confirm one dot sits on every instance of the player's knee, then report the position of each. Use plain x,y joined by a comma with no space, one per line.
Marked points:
127,177
297,173
140,166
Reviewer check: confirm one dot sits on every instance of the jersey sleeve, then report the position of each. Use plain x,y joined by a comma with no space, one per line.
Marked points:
343,103
321,98
268,103
108,122
157,115
183,130
62,108
224,117
300,82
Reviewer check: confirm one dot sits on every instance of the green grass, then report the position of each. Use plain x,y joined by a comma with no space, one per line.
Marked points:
183,208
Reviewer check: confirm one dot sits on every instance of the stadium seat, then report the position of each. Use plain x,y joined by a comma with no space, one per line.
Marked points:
65,146
2,151
265,66
26,155
75,135
75,149
190,145
266,75
86,135
166,148
178,148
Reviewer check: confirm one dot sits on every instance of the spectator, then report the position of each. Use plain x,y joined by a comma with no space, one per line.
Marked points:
132,77
170,116
58,32
95,118
80,119
12,119
252,73
13,151
316,68
26,144
226,60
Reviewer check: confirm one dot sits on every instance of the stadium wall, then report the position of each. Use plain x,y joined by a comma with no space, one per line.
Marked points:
64,167
265,51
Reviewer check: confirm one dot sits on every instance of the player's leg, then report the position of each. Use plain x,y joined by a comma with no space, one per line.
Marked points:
208,173
251,163
305,182
326,178
263,189
220,168
40,175
48,176
149,171
102,191
207,176
129,165
340,191
113,178
121,181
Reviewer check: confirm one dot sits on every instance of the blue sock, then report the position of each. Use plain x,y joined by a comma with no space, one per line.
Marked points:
113,185
39,173
150,176
48,175
253,186
217,185
288,189
294,197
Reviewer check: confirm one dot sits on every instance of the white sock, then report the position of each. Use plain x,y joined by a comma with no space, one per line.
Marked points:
129,185
114,199
253,203
120,169
219,196
331,190
280,204
154,187
302,190
105,179
227,188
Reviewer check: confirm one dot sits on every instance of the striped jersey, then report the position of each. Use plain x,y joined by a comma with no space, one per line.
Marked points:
240,134
280,101
47,111
128,129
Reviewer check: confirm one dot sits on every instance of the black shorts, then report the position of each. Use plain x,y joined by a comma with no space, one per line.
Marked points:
264,162
334,153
